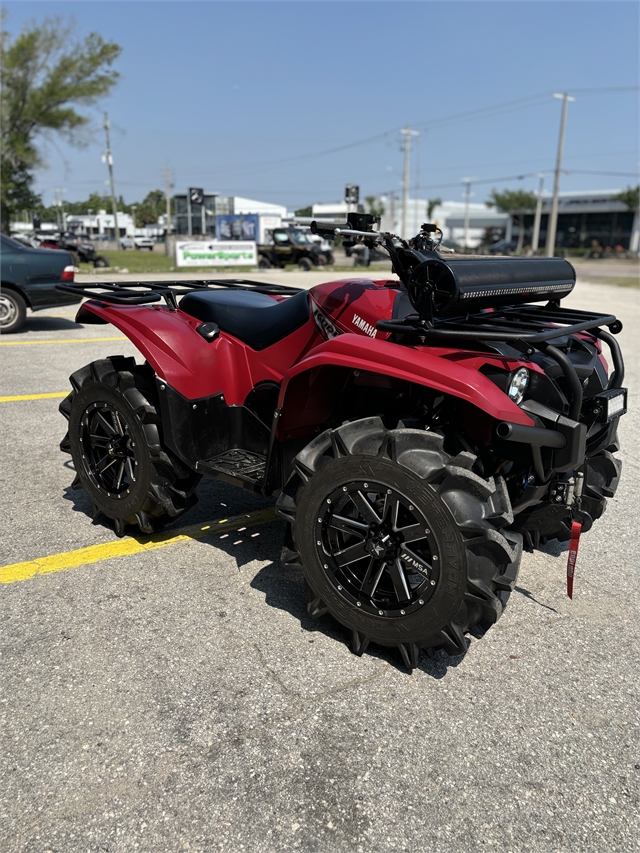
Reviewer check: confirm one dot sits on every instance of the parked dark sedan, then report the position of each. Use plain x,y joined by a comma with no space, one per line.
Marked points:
29,278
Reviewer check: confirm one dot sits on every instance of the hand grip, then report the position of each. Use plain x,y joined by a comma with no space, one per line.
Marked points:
327,228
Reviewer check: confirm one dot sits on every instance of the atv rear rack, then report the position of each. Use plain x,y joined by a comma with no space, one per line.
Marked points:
146,292
527,328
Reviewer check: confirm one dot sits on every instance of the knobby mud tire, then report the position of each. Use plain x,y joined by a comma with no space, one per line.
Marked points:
164,486
467,514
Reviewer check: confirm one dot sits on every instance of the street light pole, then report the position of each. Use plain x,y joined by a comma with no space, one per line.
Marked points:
407,133
536,222
109,160
167,194
553,216
467,198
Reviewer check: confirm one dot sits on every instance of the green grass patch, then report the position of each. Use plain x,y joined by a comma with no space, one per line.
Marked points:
622,281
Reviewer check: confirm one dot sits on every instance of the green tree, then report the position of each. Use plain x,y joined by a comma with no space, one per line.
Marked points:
304,211
630,197
432,203
374,205
516,203
152,206
44,76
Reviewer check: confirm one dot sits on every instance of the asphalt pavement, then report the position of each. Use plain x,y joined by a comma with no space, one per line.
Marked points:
175,695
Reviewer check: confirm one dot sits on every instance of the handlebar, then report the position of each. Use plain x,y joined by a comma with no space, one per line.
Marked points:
327,228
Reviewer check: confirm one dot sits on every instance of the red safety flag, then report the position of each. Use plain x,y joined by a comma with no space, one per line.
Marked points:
576,529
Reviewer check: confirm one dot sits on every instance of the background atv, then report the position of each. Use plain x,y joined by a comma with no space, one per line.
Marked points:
416,432
82,251
292,246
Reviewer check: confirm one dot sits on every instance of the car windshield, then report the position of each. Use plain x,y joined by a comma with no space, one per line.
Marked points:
300,236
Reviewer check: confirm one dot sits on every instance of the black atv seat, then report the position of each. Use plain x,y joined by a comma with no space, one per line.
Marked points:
254,318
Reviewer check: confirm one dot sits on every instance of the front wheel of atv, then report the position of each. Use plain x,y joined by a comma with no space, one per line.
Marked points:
398,540
115,440
305,264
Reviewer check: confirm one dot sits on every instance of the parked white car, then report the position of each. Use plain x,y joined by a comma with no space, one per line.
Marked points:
137,243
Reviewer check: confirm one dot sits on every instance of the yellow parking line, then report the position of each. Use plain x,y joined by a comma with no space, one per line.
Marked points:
128,546
17,397
59,341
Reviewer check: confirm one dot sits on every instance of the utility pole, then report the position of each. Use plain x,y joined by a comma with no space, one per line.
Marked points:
392,209
553,216
167,194
58,200
109,160
536,222
55,204
407,133
467,198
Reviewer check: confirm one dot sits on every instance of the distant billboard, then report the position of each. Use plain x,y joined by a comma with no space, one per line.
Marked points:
240,226
216,253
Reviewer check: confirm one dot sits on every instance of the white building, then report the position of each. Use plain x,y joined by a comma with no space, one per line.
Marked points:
449,216
335,211
102,224
245,206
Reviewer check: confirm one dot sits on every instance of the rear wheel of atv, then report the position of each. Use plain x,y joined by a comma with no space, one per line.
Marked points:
115,440
101,262
305,264
264,263
399,541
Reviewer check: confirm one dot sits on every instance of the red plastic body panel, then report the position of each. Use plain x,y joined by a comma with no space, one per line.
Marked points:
356,305
358,352
197,368
192,365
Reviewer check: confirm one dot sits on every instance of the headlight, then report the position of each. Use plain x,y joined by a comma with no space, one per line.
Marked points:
518,384
616,405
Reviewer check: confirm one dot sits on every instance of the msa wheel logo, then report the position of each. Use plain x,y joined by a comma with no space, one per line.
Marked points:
325,325
407,558
365,327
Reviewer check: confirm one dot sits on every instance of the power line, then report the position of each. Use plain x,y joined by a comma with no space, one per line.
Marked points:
607,89
502,108
589,172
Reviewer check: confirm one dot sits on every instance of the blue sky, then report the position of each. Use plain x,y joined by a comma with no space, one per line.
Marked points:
246,98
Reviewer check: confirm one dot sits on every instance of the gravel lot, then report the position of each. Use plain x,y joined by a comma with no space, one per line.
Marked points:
180,698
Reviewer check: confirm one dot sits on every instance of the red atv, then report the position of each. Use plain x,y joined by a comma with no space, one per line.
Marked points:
416,432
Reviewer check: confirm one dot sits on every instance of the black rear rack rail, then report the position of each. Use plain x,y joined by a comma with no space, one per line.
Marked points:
146,292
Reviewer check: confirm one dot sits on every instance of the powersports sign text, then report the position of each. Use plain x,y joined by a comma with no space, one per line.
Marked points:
216,253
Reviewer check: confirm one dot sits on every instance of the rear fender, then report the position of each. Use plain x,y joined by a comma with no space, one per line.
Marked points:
300,408
178,354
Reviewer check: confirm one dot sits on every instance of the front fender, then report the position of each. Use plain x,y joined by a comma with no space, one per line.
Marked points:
357,352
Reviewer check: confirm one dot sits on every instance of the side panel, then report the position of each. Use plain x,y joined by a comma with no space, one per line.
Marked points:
358,352
190,364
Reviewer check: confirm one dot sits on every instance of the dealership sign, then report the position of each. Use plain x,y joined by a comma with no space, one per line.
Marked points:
216,253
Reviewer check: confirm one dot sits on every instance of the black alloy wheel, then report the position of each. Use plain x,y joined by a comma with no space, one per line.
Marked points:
109,451
398,540
377,549
115,438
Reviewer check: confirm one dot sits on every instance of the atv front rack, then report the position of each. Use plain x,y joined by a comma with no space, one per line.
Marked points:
527,328
146,292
